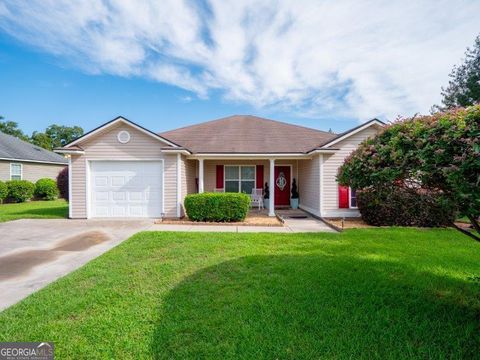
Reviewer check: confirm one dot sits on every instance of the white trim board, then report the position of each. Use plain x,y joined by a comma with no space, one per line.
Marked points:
69,152
34,161
321,182
70,208
253,156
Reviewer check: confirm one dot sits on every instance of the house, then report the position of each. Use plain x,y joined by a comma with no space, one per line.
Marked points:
20,160
121,169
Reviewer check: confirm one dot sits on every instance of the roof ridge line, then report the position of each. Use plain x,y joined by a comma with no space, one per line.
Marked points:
253,116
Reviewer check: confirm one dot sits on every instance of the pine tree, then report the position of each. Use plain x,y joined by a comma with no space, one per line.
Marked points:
464,87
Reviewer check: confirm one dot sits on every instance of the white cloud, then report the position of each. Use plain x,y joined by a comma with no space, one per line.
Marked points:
319,59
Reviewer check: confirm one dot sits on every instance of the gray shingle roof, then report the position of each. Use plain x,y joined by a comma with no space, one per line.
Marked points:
247,134
14,148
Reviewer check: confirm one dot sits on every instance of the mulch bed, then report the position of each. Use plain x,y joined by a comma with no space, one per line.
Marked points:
252,219
348,223
358,223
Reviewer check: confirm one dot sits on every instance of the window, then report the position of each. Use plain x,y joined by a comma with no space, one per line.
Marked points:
232,179
239,178
15,171
353,198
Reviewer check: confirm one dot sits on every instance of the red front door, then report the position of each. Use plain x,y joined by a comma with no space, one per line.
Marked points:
282,185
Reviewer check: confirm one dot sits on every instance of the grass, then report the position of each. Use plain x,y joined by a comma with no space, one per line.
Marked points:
34,210
370,293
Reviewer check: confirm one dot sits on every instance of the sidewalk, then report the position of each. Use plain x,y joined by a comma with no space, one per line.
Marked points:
291,226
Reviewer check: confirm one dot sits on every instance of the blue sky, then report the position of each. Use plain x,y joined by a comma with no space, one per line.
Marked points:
318,64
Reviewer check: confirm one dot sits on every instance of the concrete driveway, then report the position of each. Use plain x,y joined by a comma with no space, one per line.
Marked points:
33,253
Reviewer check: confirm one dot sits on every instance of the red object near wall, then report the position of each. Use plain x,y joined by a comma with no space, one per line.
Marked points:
282,185
259,180
219,184
343,197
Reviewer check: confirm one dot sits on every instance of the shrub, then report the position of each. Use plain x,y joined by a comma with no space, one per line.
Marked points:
404,207
439,152
20,190
46,189
218,207
3,191
62,183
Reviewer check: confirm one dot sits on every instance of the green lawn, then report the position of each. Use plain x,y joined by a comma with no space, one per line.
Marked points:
370,293
34,210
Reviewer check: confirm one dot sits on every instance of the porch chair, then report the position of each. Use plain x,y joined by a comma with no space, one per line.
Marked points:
257,198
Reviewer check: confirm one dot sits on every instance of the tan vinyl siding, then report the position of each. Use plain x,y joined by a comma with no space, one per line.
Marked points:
191,175
4,170
78,191
105,146
30,171
331,165
309,184
188,175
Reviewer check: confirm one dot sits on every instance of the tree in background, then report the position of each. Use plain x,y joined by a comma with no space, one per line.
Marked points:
464,87
11,128
53,137
62,135
42,140
439,153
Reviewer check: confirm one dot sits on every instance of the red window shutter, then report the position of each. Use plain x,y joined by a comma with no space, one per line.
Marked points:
343,197
219,177
259,179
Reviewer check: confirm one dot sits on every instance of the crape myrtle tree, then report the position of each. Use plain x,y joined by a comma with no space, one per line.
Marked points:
439,153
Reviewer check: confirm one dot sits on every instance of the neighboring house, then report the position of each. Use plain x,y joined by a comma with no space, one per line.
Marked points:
20,160
121,169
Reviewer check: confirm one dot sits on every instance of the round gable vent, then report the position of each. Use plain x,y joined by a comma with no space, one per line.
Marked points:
123,137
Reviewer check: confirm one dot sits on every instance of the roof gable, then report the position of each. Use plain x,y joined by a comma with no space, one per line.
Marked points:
247,134
348,133
114,122
15,149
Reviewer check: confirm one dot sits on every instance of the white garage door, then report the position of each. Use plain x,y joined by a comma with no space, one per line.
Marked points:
126,188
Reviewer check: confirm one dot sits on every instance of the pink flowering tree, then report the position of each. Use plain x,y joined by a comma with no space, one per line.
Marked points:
439,152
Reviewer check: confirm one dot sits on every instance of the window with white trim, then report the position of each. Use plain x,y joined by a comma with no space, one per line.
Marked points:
353,198
239,178
15,171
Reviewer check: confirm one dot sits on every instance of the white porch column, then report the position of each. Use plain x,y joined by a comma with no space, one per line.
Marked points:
200,176
179,186
271,200
70,210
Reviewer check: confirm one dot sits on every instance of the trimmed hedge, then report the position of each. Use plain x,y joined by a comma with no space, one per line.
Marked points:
46,189
404,207
3,191
62,183
218,207
20,190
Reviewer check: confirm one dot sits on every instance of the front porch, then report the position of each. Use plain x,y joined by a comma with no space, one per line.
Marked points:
243,175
